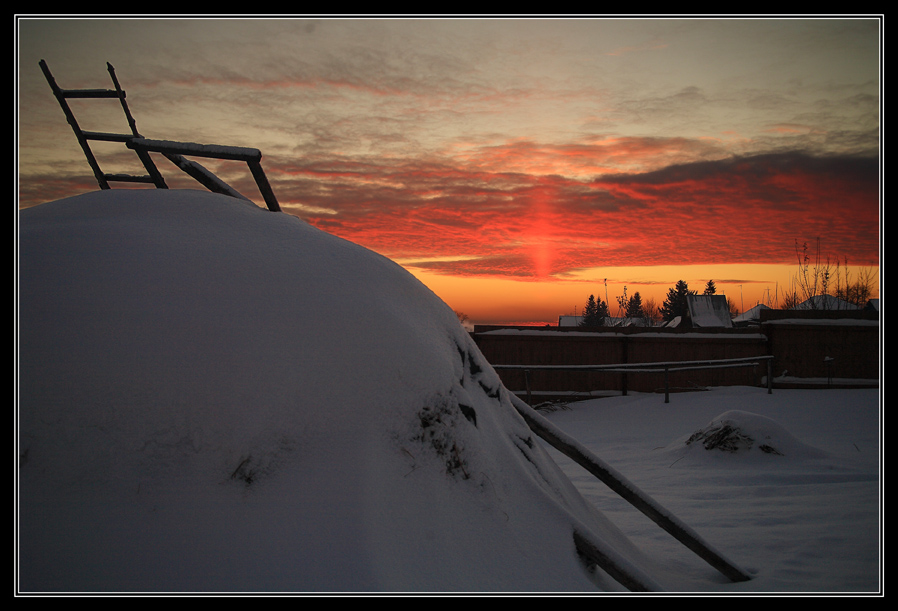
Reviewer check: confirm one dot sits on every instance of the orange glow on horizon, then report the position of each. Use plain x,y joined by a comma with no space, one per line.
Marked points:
509,301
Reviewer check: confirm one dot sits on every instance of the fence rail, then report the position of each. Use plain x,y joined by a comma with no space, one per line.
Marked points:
656,367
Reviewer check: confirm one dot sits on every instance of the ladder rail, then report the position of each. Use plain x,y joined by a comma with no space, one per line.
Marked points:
145,159
121,96
61,97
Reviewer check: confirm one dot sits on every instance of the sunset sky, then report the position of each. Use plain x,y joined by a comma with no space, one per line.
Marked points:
515,166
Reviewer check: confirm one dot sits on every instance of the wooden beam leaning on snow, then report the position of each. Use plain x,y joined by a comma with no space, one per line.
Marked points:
175,152
629,492
618,567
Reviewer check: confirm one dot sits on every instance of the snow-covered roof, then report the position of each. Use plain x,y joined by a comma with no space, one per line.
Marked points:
751,314
709,311
610,321
825,302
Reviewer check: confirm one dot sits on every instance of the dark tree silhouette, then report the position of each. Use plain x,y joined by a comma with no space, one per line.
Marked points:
675,304
594,313
634,306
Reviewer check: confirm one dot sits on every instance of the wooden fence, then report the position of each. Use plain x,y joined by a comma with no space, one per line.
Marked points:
843,349
629,369
559,360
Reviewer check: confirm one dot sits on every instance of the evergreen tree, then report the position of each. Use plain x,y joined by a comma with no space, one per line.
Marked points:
675,304
594,313
589,312
634,306
710,289
602,312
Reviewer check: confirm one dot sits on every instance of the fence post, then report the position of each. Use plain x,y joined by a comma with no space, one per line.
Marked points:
625,359
666,384
527,385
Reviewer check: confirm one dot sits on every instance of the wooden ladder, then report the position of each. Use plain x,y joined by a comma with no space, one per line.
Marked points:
173,151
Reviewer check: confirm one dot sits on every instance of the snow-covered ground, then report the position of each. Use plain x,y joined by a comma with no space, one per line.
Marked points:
218,398
803,516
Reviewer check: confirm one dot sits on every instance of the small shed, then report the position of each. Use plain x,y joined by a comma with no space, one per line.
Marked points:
709,311
568,320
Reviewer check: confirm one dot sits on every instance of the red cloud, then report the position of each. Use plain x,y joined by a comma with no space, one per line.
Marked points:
531,225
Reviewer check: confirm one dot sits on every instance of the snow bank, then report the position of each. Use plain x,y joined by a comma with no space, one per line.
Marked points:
214,397
741,437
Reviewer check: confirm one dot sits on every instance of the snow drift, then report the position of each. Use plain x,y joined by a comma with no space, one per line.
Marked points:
214,397
739,437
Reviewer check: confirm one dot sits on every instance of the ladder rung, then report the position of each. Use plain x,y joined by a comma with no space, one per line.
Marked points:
128,178
107,137
90,93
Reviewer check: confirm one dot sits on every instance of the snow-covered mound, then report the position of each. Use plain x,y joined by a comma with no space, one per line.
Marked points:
214,397
743,434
